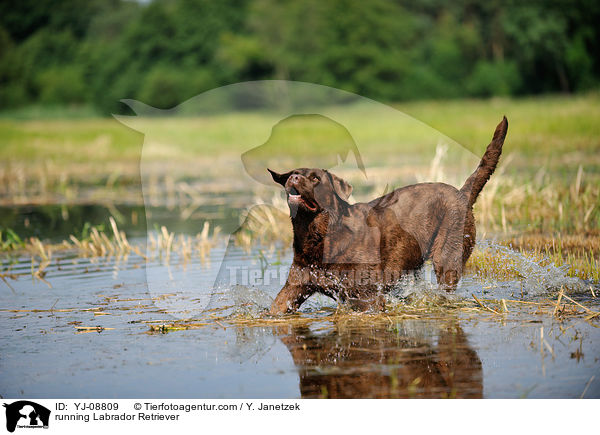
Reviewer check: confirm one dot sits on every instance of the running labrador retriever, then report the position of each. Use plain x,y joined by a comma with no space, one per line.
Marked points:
356,253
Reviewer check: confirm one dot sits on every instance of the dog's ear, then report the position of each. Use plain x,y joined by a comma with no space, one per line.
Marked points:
341,187
280,178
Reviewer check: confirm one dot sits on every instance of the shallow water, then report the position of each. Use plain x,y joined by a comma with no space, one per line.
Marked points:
467,354
54,222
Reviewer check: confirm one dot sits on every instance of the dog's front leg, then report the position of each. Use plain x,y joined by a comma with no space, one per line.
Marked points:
295,291
289,299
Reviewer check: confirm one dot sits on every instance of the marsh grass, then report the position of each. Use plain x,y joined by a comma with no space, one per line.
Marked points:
265,224
546,126
434,307
9,240
541,204
547,180
45,182
164,243
576,255
580,253
513,259
543,201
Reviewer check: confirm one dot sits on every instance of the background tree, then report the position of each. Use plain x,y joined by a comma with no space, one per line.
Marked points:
95,52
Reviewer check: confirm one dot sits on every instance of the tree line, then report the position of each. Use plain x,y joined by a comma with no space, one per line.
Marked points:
95,52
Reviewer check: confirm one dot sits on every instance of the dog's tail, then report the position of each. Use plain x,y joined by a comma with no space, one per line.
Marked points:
488,163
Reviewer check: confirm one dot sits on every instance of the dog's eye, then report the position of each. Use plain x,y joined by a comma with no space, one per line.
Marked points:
314,178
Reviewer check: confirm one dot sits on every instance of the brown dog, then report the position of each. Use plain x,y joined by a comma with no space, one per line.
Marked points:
355,253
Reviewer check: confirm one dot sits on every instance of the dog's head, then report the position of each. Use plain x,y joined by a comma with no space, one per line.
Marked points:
313,190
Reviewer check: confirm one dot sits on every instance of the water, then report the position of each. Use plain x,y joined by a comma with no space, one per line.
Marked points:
55,222
466,354
537,277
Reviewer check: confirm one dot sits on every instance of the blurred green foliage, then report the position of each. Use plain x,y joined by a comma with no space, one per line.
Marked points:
9,240
96,52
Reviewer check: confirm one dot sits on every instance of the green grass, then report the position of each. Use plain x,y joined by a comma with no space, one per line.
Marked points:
540,128
64,142
45,112
548,179
545,126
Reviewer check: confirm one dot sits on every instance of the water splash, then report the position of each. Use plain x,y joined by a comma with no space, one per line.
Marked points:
420,288
249,301
519,273
536,275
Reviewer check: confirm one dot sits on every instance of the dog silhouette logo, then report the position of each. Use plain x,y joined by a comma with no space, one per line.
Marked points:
26,414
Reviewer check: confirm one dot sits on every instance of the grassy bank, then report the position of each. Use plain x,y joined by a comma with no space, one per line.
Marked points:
540,128
547,186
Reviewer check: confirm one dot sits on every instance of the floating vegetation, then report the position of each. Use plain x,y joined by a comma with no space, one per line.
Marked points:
426,307
86,329
165,328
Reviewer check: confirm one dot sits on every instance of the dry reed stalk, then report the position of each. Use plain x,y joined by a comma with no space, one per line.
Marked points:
484,306
587,386
558,302
3,276
582,306
86,329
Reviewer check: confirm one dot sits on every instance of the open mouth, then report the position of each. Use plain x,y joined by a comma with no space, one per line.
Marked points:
294,197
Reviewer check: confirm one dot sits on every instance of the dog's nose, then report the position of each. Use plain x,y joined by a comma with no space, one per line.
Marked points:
294,178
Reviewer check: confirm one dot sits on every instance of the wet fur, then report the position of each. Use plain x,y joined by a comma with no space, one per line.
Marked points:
355,253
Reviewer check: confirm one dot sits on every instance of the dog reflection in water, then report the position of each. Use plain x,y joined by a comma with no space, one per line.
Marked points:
379,362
